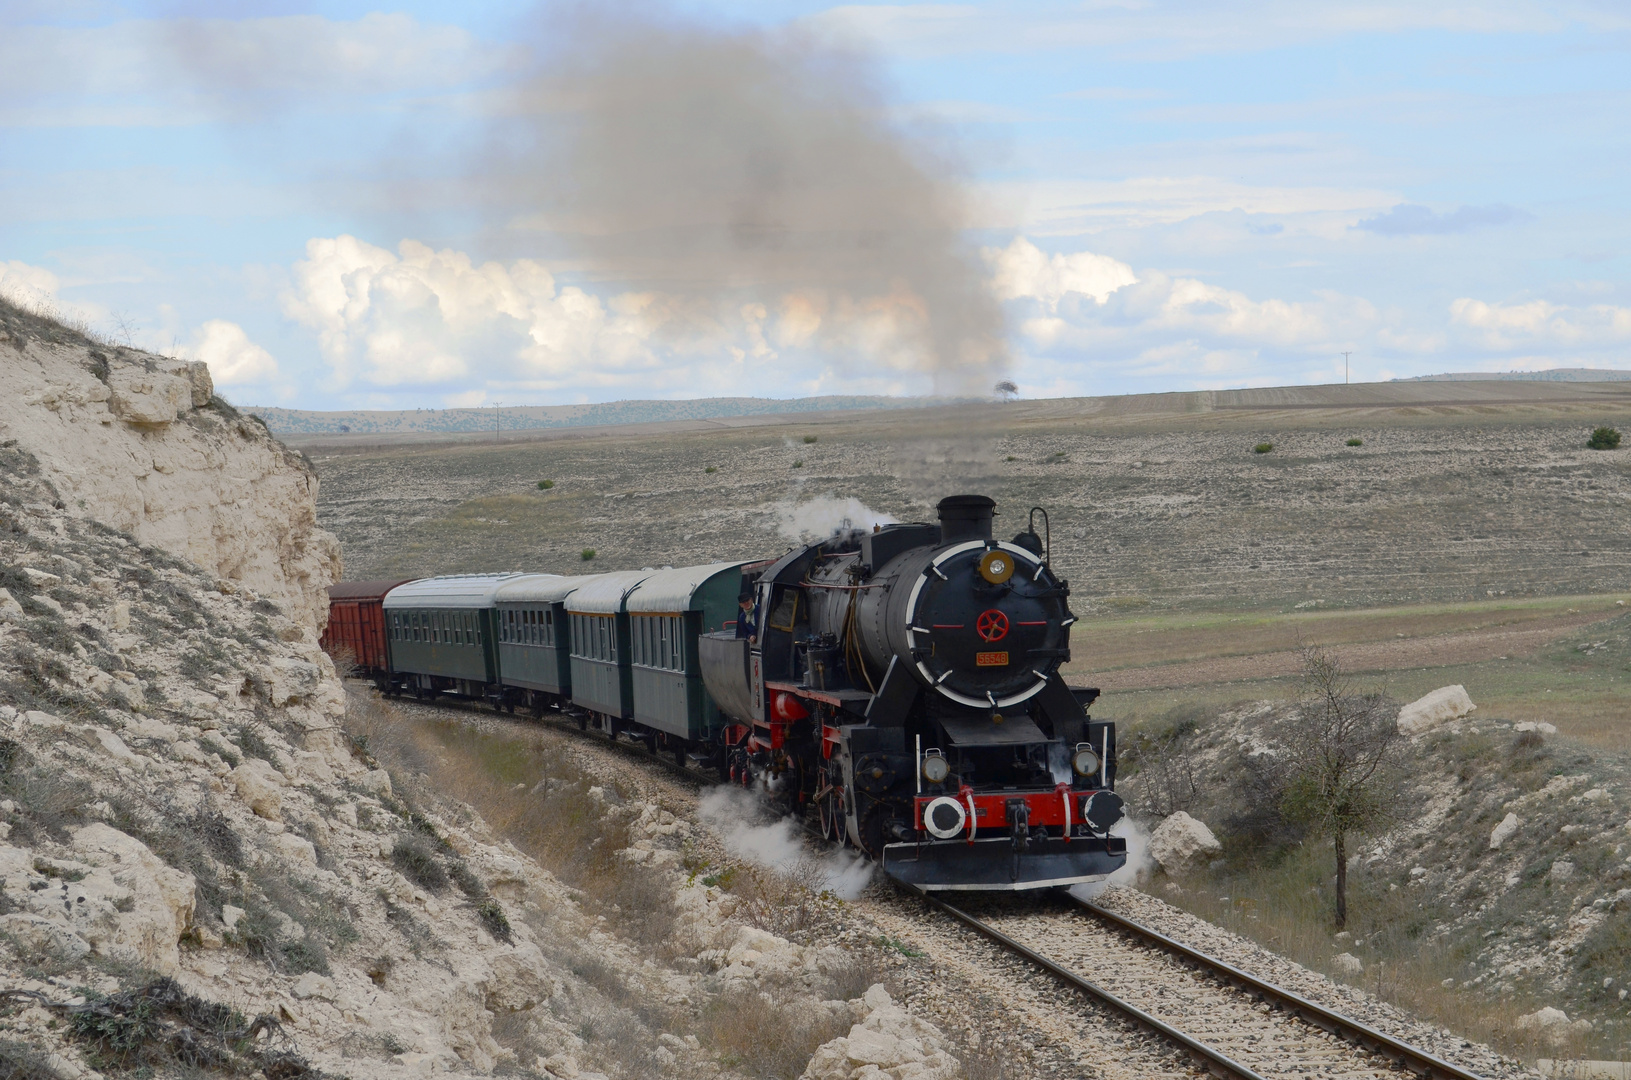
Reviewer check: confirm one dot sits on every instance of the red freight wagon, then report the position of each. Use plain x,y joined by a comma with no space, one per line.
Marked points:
356,624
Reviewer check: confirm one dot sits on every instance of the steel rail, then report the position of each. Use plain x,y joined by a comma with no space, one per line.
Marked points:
1403,1054
1214,1060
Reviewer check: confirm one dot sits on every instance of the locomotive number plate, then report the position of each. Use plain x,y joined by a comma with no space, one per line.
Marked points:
991,659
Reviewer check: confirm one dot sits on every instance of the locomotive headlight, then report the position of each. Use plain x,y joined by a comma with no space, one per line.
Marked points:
935,767
1085,760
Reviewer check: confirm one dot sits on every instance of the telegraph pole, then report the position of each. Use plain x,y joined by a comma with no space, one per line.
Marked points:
496,404
1345,367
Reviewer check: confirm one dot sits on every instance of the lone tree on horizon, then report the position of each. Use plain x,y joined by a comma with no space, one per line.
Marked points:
1340,743
1006,389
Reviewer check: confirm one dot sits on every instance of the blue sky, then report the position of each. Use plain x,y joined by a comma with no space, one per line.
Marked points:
1159,196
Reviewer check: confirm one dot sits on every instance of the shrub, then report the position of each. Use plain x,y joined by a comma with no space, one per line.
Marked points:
418,864
1604,438
545,485
811,438
492,917
586,554
710,469
1262,448
798,464
1356,442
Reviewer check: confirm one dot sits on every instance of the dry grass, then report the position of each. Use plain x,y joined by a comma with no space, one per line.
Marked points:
535,800
759,1036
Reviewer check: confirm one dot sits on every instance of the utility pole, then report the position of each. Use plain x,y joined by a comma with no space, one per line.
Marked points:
496,405
1345,367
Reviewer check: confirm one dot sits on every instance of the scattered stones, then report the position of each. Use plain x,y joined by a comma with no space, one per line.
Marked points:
1431,710
1540,726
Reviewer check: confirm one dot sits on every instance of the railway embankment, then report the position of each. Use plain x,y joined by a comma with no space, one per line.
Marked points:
1493,895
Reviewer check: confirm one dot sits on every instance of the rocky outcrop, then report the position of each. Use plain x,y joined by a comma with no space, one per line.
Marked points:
1552,1026
1180,843
1431,710
141,443
890,1042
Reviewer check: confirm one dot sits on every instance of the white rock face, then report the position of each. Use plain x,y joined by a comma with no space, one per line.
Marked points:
1499,834
890,1042
144,451
1441,706
1180,842
137,908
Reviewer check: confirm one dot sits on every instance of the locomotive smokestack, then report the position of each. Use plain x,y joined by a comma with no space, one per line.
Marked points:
965,517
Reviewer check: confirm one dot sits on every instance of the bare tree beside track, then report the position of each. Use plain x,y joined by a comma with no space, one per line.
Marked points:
1340,743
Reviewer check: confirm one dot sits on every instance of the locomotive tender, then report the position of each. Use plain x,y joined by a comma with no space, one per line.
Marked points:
903,687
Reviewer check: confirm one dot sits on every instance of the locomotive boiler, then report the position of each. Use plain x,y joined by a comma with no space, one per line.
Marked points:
903,685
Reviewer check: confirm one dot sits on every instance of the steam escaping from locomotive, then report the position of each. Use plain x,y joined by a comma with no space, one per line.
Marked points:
822,517
778,845
738,172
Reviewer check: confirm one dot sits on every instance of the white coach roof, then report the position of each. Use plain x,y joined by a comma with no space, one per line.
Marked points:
673,590
605,593
540,588
452,591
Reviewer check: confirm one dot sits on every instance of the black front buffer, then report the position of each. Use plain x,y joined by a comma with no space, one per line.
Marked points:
996,865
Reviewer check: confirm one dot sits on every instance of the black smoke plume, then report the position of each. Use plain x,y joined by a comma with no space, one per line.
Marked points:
722,167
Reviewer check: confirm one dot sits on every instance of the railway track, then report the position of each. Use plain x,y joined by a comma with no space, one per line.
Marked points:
1229,1022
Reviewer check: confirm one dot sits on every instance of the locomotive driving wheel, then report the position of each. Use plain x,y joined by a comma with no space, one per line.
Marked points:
830,808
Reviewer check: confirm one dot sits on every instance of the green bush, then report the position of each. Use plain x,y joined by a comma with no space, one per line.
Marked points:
1262,448
545,485
1356,442
810,438
1604,438
586,554
711,469
798,464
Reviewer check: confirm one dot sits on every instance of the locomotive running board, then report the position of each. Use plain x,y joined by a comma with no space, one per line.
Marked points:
994,866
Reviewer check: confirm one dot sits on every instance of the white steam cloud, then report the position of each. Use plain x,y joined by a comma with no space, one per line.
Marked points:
744,825
821,517
1139,861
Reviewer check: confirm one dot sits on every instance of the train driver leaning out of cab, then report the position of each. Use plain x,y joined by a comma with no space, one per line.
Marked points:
746,626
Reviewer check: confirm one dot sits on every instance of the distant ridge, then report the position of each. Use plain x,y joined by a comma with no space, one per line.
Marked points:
1562,374
528,417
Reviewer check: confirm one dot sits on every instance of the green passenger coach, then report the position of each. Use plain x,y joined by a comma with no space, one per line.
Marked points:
599,625
535,639
441,636
666,612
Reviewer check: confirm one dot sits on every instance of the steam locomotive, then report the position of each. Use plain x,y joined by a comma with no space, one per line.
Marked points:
901,688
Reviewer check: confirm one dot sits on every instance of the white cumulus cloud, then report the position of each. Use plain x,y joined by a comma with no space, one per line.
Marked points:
1540,323
1021,270
234,360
